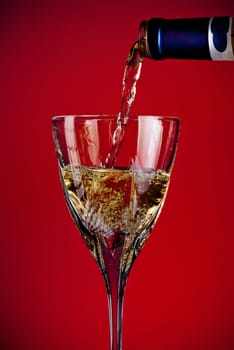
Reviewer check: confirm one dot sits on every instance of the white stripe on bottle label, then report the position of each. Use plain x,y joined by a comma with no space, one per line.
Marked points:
228,53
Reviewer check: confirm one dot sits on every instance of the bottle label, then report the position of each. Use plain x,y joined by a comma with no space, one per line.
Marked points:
221,38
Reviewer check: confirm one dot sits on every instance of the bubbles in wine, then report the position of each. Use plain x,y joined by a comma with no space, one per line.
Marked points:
115,203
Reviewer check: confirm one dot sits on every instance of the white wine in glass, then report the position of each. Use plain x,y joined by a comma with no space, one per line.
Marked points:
115,206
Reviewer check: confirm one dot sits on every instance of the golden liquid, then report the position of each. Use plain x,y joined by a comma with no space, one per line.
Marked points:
113,204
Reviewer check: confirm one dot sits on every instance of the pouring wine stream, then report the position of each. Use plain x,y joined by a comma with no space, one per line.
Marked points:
132,74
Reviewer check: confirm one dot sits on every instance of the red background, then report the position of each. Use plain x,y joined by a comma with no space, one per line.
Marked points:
67,57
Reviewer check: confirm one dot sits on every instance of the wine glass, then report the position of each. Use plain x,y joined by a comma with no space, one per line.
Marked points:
115,206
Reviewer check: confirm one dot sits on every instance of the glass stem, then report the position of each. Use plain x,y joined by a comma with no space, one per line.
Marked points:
115,285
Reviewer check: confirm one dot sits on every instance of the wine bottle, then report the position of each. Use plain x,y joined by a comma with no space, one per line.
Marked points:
188,38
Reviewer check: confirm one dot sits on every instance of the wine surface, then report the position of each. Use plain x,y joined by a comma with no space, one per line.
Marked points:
114,207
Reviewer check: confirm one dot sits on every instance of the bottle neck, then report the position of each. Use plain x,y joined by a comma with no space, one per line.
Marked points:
191,38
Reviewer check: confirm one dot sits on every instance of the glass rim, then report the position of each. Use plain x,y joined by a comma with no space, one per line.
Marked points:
112,117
